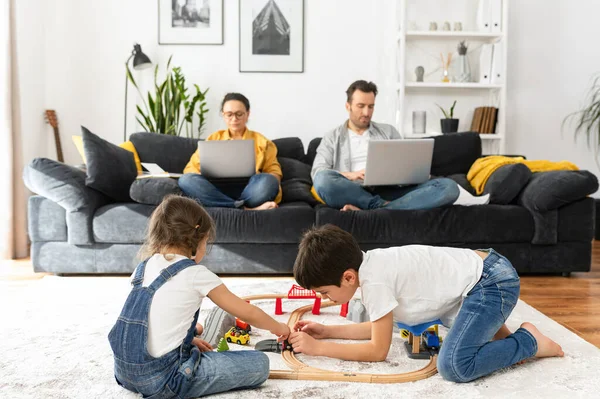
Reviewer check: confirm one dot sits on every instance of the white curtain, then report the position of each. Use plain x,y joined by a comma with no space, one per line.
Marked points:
13,235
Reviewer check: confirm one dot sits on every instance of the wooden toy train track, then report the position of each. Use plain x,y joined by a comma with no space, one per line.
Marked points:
301,371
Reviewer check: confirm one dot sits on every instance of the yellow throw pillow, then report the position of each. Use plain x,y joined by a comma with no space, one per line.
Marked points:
314,194
128,145
78,141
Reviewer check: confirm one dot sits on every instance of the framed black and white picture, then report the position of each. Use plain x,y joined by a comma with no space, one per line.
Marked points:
271,35
190,21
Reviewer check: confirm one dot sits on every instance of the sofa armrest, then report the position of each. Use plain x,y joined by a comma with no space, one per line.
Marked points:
547,191
65,185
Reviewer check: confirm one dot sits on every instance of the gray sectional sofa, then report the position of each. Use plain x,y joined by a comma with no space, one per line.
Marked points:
543,222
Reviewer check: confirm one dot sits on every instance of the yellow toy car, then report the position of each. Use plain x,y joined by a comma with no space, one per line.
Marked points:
237,335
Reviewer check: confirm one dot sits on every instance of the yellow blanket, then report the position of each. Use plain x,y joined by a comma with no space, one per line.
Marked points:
482,169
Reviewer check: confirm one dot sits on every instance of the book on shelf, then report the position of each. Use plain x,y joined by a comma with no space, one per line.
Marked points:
484,120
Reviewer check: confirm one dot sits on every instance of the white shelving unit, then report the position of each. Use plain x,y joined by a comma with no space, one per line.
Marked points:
418,46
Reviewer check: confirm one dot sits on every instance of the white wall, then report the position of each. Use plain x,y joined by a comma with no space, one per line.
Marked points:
71,55
552,54
87,42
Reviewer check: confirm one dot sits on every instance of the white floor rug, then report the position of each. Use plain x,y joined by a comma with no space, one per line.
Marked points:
53,345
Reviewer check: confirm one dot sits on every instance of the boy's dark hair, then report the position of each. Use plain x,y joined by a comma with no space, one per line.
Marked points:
362,85
324,254
236,97
178,222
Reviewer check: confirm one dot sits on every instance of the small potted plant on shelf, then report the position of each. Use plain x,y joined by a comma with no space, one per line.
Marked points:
449,124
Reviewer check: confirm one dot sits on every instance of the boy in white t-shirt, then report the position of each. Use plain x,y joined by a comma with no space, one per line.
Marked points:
472,292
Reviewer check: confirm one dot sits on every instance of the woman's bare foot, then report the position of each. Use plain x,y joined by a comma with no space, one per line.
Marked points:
502,333
546,347
265,206
349,207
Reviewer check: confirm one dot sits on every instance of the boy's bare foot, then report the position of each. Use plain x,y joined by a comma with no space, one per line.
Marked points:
265,206
502,333
349,207
546,347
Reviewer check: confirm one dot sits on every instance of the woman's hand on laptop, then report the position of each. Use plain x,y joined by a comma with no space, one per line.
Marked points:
353,176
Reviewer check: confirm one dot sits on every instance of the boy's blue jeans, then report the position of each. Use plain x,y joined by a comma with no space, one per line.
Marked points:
261,188
337,191
468,351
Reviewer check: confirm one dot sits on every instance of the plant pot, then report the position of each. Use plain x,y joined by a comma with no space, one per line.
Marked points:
449,125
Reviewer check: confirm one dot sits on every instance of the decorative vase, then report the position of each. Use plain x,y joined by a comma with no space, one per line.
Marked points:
463,73
419,121
449,125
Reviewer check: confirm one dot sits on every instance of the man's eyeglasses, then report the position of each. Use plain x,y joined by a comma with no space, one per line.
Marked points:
238,115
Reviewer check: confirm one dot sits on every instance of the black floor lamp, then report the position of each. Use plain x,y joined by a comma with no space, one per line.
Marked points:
140,61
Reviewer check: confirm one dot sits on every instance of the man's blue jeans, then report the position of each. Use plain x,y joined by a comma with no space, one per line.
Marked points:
337,191
261,187
468,351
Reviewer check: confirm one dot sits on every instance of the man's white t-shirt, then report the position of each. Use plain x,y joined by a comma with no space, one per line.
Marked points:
359,144
175,303
418,283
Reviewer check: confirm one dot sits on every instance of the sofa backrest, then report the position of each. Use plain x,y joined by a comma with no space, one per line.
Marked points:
172,153
452,153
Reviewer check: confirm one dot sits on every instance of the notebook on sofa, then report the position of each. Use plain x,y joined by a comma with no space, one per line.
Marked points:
153,170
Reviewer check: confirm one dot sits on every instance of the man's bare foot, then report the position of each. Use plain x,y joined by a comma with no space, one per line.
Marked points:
546,347
502,333
263,207
349,207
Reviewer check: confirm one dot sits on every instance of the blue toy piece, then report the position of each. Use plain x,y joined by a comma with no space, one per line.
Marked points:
429,342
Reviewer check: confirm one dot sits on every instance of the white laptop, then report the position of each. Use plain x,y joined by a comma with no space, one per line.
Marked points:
227,158
394,162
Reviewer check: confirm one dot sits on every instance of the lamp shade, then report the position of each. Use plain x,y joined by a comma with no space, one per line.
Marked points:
140,60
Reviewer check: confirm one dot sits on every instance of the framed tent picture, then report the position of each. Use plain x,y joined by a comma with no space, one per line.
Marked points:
190,21
271,35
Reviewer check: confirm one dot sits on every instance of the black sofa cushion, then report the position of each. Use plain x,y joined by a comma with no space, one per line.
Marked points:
294,169
550,190
461,180
289,147
455,153
172,153
311,153
283,225
294,190
110,169
506,183
485,224
151,191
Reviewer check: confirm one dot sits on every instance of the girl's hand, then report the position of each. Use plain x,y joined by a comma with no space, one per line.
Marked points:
202,345
311,328
282,332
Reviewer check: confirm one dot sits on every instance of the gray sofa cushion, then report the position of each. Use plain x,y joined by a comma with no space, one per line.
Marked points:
550,190
61,183
151,191
485,224
172,153
122,223
506,183
110,169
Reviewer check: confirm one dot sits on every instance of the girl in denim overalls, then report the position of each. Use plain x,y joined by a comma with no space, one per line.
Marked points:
154,340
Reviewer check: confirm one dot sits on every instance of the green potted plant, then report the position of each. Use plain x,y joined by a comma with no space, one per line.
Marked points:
587,119
171,108
448,123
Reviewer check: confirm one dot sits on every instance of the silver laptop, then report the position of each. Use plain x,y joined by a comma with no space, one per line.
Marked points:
227,158
391,162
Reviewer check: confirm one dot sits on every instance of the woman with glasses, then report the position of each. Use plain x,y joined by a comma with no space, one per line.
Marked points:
262,191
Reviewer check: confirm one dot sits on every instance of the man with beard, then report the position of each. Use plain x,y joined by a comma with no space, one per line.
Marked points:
339,166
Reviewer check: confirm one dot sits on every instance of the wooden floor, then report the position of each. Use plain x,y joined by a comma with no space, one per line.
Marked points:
572,301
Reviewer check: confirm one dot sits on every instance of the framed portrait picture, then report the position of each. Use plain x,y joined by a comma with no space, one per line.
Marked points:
190,21
271,35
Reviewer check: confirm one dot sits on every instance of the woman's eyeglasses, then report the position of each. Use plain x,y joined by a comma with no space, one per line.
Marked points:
238,115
